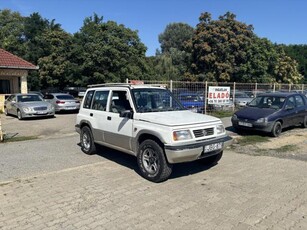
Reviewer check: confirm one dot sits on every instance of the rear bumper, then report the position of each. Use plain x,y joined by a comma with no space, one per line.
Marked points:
192,152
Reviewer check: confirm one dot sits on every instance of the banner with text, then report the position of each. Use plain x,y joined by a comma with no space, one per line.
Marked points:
218,95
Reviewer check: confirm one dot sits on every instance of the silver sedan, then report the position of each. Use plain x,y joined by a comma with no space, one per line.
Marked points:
28,105
63,102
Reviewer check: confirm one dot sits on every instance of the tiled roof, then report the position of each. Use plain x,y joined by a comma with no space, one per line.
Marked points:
11,61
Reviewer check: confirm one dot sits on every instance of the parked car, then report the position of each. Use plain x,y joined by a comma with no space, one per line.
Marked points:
192,101
28,105
63,102
147,122
241,99
272,112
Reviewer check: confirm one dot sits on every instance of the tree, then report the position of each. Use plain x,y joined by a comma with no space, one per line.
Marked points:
12,32
108,52
175,36
56,69
299,53
228,50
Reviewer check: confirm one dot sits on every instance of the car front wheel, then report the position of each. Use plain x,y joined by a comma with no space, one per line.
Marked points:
152,162
276,130
19,115
5,112
87,141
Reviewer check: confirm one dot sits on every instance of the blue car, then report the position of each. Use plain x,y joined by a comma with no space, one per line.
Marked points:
192,101
272,112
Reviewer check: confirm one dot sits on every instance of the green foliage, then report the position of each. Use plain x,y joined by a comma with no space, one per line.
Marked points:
299,53
175,36
228,50
174,60
11,32
108,52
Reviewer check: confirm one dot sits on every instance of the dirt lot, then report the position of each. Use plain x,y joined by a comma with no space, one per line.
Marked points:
62,124
291,144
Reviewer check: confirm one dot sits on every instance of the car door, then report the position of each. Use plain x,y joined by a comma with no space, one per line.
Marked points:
98,114
300,108
117,129
290,112
11,105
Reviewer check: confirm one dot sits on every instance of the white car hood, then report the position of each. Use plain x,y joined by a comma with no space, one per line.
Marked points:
176,118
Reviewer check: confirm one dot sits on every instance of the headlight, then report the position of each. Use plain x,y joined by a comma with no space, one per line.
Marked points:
220,129
182,135
262,120
27,109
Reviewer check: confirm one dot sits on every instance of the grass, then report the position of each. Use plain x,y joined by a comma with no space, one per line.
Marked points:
286,148
221,114
252,139
22,138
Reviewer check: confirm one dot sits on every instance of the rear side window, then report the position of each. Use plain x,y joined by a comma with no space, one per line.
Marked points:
299,101
100,100
88,99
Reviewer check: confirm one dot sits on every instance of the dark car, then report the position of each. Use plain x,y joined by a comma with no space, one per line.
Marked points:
192,101
272,112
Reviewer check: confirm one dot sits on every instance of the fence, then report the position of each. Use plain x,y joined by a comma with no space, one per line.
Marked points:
243,90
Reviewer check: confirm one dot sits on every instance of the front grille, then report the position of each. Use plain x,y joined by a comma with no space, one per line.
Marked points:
40,108
203,132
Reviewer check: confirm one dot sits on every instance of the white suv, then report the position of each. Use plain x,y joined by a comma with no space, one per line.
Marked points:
148,122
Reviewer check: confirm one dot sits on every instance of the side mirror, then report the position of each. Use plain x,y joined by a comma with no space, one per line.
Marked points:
126,113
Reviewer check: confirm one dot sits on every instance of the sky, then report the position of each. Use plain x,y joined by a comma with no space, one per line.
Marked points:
280,21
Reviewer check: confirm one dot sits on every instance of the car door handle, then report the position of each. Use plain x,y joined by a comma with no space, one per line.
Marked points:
91,114
109,118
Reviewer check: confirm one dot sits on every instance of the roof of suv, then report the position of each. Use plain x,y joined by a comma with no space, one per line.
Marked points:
131,86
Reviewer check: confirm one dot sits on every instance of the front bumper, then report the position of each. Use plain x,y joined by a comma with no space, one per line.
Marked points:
263,127
38,114
192,152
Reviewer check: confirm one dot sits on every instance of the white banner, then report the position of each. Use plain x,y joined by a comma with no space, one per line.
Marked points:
218,95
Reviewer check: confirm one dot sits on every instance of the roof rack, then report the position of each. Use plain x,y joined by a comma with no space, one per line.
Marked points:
108,84
126,84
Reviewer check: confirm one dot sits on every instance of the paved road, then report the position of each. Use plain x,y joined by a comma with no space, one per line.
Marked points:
51,184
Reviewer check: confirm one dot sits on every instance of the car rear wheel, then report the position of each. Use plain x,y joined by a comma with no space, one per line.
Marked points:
19,115
276,130
87,141
152,162
304,124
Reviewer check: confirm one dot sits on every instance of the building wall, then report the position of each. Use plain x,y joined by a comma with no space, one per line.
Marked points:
14,76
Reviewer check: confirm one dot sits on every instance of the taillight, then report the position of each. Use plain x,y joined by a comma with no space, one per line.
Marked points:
60,102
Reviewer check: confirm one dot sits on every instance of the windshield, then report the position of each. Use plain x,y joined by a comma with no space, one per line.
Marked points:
273,102
28,98
155,100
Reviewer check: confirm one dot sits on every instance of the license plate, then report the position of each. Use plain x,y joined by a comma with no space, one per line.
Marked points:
212,147
41,112
69,107
246,124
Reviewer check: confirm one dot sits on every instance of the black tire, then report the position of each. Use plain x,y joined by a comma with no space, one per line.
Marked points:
213,160
19,115
152,162
277,128
304,124
87,141
5,112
